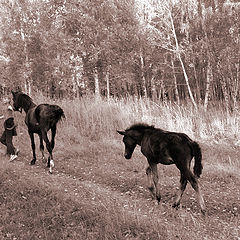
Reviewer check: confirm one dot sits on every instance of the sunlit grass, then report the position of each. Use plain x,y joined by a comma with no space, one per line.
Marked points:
99,118
112,201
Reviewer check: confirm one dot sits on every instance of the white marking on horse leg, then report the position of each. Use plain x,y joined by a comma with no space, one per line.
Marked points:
51,166
201,201
196,187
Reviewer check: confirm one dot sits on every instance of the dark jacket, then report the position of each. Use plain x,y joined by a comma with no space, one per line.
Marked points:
9,125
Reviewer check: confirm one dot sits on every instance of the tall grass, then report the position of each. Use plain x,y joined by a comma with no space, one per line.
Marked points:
99,118
110,201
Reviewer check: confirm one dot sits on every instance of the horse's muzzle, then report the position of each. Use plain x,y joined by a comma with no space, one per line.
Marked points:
127,156
15,108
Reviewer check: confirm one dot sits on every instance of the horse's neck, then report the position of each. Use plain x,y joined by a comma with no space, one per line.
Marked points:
27,106
142,136
139,136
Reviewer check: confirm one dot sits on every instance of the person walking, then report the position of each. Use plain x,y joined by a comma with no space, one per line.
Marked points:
9,132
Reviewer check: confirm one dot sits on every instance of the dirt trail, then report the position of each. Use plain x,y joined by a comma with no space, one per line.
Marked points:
221,190
70,186
98,193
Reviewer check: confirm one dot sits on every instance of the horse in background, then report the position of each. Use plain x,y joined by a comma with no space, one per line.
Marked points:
39,119
164,147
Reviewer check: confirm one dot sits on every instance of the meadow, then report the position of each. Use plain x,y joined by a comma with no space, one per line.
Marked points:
95,193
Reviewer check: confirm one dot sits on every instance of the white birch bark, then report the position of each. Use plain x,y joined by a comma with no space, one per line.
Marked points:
142,75
175,83
178,53
96,81
108,85
208,83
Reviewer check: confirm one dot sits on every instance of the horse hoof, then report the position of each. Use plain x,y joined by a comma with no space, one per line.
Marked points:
33,162
51,163
176,205
203,211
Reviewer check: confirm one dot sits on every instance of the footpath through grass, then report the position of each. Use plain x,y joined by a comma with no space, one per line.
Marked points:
94,193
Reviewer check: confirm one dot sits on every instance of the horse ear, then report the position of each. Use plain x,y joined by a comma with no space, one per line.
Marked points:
121,132
13,93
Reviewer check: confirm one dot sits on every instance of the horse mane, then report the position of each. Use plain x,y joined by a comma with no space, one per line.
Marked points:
25,96
23,101
140,126
22,97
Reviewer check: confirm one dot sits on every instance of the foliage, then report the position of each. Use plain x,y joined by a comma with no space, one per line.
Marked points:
70,48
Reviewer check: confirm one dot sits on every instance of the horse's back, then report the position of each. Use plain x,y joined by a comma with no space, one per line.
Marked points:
43,116
158,143
48,113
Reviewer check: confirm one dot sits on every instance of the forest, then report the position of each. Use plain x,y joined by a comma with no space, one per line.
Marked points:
169,50
109,64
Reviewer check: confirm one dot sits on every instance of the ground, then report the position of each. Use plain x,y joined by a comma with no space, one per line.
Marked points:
95,193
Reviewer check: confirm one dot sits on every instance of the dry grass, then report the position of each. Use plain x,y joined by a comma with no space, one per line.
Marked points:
100,117
95,193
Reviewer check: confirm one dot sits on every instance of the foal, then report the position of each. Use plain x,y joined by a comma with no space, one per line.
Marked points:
164,147
39,119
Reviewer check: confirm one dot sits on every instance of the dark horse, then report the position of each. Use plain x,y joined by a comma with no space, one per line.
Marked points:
39,119
164,147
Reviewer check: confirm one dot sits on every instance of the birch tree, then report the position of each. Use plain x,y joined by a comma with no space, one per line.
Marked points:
164,35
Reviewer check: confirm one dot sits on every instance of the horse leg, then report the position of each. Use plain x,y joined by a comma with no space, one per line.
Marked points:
49,148
183,184
194,182
33,147
53,130
150,182
155,180
42,148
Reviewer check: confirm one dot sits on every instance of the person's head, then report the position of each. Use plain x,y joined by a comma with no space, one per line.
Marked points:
10,109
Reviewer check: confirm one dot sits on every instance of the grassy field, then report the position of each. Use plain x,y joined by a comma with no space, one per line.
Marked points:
94,193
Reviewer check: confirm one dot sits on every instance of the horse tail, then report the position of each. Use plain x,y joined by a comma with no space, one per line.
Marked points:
198,167
59,113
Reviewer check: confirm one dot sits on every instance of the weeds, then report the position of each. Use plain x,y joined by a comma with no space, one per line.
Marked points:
100,118
96,194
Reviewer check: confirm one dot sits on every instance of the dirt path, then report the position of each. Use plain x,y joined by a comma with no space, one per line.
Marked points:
93,190
77,189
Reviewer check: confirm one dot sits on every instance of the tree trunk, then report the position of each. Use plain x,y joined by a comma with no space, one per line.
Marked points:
27,67
163,91
96,81
154,90
235,93
208,83
175,83
108,85
187,81
178,53
27,87
142,75
224,87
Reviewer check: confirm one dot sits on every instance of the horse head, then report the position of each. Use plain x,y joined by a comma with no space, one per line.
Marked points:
16,103
22,101
129,143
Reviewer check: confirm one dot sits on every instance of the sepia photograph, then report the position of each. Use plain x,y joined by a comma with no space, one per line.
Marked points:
120,119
